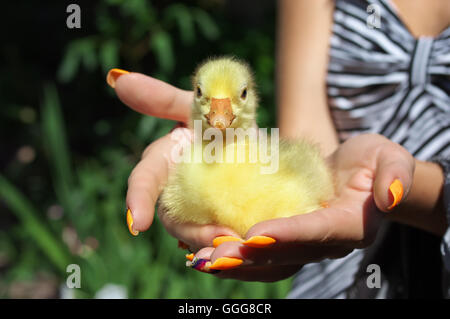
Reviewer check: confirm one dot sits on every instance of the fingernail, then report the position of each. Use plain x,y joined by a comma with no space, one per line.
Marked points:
190,257
396,190
225,263
202,265
130,223
325,205
259,241
222,239
113,75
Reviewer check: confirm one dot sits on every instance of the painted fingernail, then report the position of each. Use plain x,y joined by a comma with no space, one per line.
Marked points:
113,75
325,205
130,223
396,190
190,257
222,239
225,263
259,241
202,265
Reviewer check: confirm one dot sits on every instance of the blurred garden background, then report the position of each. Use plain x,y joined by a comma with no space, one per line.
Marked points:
68,144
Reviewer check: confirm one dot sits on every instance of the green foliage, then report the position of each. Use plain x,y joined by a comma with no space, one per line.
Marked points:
33,226
67,205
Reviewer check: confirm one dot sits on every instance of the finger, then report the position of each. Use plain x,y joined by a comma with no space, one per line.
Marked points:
153,97
393,176
279,254
312,228
194,235
345,222
251,273
149,175
204,253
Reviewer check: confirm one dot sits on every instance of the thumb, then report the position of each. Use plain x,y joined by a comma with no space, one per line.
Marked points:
393,176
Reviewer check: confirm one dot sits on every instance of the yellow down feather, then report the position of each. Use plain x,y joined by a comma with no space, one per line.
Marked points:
236,194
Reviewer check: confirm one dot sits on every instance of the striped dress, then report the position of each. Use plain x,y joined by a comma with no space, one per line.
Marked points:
383,80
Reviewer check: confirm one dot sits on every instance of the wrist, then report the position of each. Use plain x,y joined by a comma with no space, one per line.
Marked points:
423,208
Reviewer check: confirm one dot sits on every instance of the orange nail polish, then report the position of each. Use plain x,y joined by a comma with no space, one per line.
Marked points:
130,223
325,205
225,263
113,75
190,257
259,241
222,239
396,190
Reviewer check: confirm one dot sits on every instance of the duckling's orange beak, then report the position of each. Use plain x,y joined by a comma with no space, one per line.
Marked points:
220,114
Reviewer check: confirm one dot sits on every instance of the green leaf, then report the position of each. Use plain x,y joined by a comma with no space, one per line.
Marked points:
79,51
109,55
161,44
146,127
55,143
88,53
69,65
183,17
31,225
207,25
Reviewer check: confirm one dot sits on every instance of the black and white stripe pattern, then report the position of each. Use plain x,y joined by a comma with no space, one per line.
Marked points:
381,81
386,81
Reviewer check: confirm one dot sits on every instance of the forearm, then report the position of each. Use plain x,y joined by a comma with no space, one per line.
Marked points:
423,207
304,28
295,122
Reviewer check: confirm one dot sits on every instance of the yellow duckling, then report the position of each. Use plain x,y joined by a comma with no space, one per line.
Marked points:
235,179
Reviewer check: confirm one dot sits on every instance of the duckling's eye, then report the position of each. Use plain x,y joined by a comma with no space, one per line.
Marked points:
244,94
199,92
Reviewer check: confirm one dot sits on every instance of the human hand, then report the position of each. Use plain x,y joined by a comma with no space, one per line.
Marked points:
152,97
365,167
